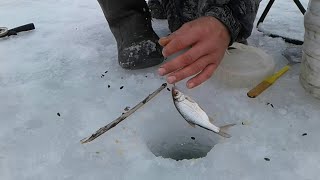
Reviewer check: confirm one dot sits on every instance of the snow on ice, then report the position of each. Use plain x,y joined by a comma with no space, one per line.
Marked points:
53,94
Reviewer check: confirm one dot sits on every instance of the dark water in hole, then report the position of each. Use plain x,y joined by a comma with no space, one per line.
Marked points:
177,140
179,151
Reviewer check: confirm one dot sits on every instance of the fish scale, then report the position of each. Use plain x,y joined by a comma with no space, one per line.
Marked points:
194,114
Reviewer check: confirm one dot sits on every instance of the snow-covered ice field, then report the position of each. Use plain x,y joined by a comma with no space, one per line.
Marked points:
58,67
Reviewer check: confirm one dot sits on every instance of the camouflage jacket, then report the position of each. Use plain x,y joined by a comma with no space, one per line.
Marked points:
237,15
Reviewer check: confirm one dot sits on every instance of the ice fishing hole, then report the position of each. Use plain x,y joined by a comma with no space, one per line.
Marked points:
167,135
180,147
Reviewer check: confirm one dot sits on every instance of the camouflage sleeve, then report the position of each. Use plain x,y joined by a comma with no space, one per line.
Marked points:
237,15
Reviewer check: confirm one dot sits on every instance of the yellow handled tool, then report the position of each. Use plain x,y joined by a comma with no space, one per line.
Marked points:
267,82
293,55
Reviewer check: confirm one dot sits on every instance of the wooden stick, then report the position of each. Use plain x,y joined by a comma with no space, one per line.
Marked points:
123,116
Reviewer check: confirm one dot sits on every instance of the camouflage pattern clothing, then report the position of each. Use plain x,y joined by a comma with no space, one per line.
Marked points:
237,15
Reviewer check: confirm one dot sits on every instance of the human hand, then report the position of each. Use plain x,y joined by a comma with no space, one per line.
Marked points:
208,38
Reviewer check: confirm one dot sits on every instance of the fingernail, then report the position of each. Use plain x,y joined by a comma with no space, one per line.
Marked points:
171,79
160,42
190,85
161,71
163,38
164,52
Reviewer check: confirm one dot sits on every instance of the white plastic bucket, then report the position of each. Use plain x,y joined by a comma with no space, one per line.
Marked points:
310,66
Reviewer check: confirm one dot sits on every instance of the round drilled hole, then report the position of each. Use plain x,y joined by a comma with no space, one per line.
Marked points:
170,136
179,147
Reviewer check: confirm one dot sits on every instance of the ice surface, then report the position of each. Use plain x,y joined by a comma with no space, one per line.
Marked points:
285,16
58,67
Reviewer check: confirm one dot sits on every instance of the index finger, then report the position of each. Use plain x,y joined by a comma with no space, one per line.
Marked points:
178,41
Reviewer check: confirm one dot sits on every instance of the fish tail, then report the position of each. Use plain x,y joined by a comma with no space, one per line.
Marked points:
223,130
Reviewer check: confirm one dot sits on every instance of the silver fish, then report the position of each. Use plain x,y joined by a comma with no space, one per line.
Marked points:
195,115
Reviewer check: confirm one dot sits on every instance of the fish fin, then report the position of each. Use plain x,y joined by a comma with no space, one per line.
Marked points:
211,119
223,130
192,124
